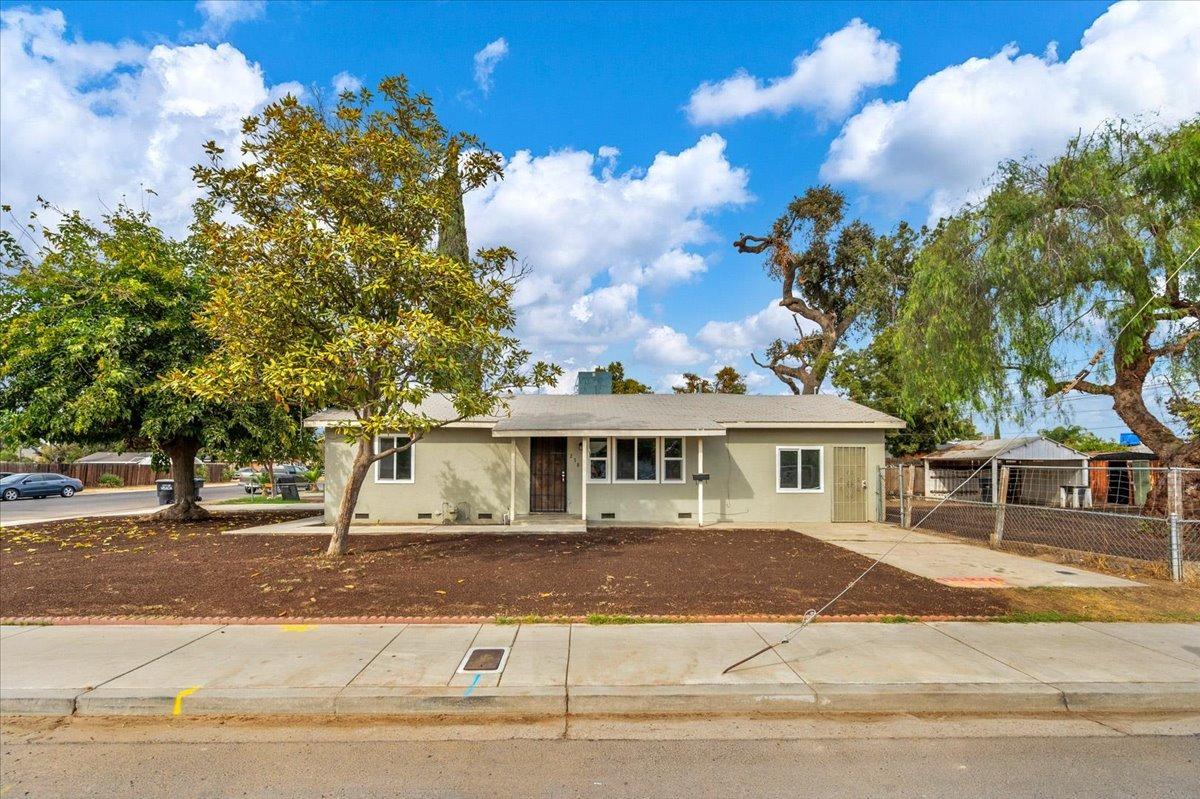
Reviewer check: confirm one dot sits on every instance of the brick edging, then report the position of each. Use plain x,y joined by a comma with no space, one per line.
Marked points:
645,619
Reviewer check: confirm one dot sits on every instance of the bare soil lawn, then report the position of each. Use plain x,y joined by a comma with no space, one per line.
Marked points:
134,566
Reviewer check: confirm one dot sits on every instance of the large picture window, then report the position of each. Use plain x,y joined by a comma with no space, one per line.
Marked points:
637,460
798,469
672,468
397,467
597,460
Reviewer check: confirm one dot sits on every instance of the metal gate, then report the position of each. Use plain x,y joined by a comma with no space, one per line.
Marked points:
547,475
849,484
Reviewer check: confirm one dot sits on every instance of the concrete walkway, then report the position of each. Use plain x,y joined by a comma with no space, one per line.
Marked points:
582,670
957,563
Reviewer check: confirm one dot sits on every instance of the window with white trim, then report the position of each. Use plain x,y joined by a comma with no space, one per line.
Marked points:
597,460
798,469
672,460
637,460
397,467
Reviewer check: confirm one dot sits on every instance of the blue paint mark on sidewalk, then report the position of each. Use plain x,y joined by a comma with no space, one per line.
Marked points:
471,687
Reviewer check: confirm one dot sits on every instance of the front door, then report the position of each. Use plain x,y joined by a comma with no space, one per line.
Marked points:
849,484
548,475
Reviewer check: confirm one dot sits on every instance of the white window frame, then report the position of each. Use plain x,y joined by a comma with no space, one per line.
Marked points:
820,489
608,459
635,440
412,458
662,460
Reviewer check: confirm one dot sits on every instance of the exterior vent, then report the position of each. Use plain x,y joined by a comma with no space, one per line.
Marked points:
424,515
485,516
608,515
362,515
685,515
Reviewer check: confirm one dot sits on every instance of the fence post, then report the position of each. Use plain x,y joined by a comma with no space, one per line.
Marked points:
1174,514
903,502
880,489
1000,491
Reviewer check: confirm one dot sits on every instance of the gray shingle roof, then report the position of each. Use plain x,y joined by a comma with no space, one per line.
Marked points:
675,412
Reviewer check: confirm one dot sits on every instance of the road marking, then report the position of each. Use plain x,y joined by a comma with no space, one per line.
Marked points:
471,687
297,628
179,699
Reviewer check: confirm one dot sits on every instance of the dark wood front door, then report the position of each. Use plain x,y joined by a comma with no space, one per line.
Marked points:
548,475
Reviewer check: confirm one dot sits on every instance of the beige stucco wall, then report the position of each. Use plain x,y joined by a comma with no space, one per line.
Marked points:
467,467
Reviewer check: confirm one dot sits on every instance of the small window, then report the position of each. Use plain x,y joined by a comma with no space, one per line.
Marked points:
637,460
798,469
597,460
672,460
397,467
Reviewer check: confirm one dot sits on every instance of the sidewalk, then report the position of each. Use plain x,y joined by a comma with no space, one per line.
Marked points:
582,670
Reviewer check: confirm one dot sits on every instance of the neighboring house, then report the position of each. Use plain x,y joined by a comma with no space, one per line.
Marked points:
1051,473
768,459
1123,477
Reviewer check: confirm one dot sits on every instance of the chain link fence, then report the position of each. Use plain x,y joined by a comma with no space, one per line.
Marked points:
1128,511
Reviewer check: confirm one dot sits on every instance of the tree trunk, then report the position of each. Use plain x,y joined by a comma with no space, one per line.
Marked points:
183,472
364,456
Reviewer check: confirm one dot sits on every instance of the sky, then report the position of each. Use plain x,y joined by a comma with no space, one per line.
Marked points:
640,139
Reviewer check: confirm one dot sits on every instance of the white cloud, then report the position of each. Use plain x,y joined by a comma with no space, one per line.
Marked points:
941,143
486,61
828,81
666,346
735,340
220,15
86,124
593,237
345,82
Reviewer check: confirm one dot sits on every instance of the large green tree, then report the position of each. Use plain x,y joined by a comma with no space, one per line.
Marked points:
1084,253
329,289
832,272
91,327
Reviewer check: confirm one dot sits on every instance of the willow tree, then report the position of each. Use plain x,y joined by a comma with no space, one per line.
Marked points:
1086,254
831,274
329,289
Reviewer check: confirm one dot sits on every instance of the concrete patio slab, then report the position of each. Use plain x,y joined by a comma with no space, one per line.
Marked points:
62,661
1070,653
1177,640
421,655
957,563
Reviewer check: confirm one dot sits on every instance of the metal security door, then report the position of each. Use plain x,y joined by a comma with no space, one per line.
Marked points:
548,475
849,484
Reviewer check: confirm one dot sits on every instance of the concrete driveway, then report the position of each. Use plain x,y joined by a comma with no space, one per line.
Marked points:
956,563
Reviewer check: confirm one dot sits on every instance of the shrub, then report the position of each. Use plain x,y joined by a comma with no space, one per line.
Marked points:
109,480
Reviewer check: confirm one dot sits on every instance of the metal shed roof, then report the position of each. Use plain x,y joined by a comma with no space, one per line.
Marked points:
1033,448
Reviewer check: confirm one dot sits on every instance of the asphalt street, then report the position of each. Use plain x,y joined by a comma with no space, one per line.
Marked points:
90,503
300,764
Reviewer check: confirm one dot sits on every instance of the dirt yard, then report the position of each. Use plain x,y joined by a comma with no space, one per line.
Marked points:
122,566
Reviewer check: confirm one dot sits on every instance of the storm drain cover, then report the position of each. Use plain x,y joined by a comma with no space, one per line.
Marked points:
485,659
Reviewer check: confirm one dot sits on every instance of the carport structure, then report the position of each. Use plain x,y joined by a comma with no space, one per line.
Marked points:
952,469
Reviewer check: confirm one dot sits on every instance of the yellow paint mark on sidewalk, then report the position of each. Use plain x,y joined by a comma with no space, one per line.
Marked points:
179,699
297,628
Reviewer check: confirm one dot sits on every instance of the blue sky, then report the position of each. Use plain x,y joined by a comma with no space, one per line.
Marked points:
636,153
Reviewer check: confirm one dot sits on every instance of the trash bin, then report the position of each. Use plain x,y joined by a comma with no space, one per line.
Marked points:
198,482
287,489
166,491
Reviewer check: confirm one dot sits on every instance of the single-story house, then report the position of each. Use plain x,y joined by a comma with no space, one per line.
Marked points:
643,458
1123,477
1050,473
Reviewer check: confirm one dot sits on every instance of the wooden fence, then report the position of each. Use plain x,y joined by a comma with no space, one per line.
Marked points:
131,473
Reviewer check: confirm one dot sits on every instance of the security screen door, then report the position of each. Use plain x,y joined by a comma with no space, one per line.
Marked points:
849,484
548,475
